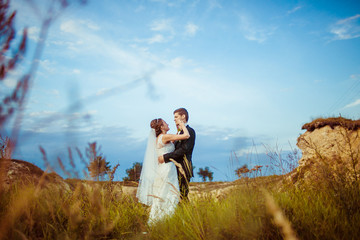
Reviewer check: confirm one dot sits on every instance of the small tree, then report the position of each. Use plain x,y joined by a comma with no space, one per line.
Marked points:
133,174
205,173
244,170
98,166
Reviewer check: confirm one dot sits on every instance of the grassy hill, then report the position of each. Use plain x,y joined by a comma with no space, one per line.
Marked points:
263,207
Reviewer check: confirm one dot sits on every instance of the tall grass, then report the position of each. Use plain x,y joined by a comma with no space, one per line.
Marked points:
87,211
260,207
90,210
265,207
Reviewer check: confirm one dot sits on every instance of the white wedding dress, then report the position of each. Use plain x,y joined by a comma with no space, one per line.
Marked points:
158,187
166,185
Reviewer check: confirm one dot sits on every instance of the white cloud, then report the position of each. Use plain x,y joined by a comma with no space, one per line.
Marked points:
51,121
47,65
191,29
102,92
295,9
10,82
76,26
163,25
178,62
53,92
41,114
349,19
33,33
347,28
90,25
252,32
169,3
140,9
100,46
355,76
353,104
214,4
69,26
158,38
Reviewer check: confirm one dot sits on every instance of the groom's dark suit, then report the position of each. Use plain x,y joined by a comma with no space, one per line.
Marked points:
182,154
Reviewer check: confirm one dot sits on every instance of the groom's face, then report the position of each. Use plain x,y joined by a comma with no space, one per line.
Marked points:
177,116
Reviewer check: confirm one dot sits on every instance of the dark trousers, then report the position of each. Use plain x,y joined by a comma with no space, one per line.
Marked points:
184,187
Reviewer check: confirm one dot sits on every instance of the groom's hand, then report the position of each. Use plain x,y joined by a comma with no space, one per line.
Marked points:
161,159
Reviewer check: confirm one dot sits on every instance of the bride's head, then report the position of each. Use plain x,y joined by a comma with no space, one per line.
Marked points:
160,126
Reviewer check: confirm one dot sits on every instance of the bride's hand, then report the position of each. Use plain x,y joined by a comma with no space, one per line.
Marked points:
180,123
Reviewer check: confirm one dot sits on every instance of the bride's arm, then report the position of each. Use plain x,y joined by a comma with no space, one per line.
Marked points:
173,137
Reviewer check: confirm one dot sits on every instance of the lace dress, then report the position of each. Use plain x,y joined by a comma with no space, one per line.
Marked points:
166,185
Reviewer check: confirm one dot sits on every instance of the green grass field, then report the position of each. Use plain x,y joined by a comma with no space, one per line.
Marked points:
255,208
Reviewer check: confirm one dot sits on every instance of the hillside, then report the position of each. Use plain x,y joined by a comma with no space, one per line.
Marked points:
318,200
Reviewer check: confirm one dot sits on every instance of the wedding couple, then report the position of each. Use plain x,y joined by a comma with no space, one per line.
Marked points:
167,166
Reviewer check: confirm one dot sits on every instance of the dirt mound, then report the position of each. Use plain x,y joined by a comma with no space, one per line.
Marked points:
21,172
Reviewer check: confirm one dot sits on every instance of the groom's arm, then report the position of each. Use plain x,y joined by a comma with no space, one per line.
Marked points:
178,154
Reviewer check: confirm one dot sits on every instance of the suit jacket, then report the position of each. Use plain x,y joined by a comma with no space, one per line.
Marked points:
183,153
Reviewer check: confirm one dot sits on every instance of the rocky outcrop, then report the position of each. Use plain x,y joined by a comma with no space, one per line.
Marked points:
14,171
331,145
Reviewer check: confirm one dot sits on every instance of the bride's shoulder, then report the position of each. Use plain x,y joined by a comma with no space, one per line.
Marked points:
159,140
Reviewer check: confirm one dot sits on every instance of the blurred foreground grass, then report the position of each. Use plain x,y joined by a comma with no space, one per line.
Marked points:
88,210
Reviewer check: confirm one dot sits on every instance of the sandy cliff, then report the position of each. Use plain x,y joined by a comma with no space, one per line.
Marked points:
331,144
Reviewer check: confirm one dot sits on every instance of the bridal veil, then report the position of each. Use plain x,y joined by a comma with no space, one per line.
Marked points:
148,172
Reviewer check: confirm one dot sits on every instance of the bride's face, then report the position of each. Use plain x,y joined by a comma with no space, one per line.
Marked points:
165,126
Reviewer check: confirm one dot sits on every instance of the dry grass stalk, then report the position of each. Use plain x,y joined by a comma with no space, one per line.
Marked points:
280,219
178,165
19,205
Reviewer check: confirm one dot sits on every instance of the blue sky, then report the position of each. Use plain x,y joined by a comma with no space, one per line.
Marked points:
250,73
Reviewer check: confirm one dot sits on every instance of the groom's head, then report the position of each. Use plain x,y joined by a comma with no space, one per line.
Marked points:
182,114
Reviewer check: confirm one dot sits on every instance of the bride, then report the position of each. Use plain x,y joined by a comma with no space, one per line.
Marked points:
159,186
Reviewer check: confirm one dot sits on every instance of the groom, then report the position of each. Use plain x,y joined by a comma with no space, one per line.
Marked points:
182,154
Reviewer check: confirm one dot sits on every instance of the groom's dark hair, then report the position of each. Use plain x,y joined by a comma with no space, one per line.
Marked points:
182,111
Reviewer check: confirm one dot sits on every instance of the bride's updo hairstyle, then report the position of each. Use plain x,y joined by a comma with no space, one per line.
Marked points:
156,125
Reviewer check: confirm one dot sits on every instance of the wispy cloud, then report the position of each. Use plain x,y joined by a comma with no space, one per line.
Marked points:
214,4
178,62
355,76
347,28
69,26
191,29
76,71
51,121
158,38
72,26
140,8
47,65
353,104
163,25
165,29
293,10
10,82
33,33
169,3
254,32
74,33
